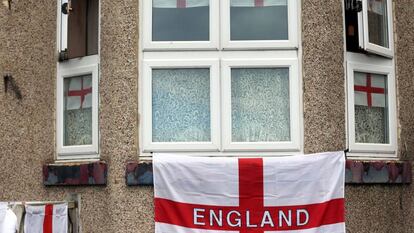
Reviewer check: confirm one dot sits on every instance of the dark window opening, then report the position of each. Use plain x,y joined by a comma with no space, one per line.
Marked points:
352,7
81,34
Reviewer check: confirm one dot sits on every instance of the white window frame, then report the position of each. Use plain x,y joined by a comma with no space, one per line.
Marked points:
173,54
291,43
68,69
212,44
71,68
149,145
364,32
294,106
374,66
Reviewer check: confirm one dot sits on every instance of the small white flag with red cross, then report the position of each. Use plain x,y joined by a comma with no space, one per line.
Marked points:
258,3
302,193
370,90
46,218
79,94
180,3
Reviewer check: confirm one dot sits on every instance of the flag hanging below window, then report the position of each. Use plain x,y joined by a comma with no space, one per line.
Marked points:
46,219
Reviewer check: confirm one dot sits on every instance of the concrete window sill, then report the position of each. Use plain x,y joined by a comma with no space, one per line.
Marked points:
357,172
75,174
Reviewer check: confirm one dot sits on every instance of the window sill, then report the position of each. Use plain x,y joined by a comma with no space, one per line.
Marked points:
357,172
75,174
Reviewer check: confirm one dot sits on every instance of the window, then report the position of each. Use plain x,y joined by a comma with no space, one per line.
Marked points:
77,79
369,26
182,105
236,89
259,24
260,104
371,108
370,78
180,24
79,26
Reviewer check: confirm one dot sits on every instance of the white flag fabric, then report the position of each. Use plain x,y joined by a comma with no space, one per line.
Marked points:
180,3
292,194
258,3
46,219
79,94
370,90
8,220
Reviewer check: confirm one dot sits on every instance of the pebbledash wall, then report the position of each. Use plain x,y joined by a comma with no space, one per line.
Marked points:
27,126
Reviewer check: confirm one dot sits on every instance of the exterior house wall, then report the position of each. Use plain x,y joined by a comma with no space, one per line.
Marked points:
27,126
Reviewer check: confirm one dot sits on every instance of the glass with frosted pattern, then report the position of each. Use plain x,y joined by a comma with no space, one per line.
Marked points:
181,105
260,104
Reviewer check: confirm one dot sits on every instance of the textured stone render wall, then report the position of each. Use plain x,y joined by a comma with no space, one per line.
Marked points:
27,128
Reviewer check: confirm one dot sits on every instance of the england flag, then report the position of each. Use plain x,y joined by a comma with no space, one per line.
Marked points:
239,195
46,218
79,94
370,90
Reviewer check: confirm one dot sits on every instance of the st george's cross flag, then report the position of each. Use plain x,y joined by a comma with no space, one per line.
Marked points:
201,3
79,94
46,218
370,90
243,195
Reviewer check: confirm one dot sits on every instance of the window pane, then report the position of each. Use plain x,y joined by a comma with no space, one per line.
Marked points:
180,20
260,105
371,108
78,110
259,20
181,105
377,22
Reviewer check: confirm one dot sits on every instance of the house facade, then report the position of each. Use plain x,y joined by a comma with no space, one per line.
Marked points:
93,88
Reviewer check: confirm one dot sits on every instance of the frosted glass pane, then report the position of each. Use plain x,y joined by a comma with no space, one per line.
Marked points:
181,105
180,20
371,108
377,22
260,105
78,110
258,20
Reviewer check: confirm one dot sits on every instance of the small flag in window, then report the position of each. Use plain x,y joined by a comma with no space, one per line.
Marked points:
180,3
370,90
79,94
258,3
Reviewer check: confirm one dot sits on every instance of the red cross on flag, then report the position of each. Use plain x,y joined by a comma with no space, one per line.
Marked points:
79,94
258,3
46,219
180,3
370,90
244,195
